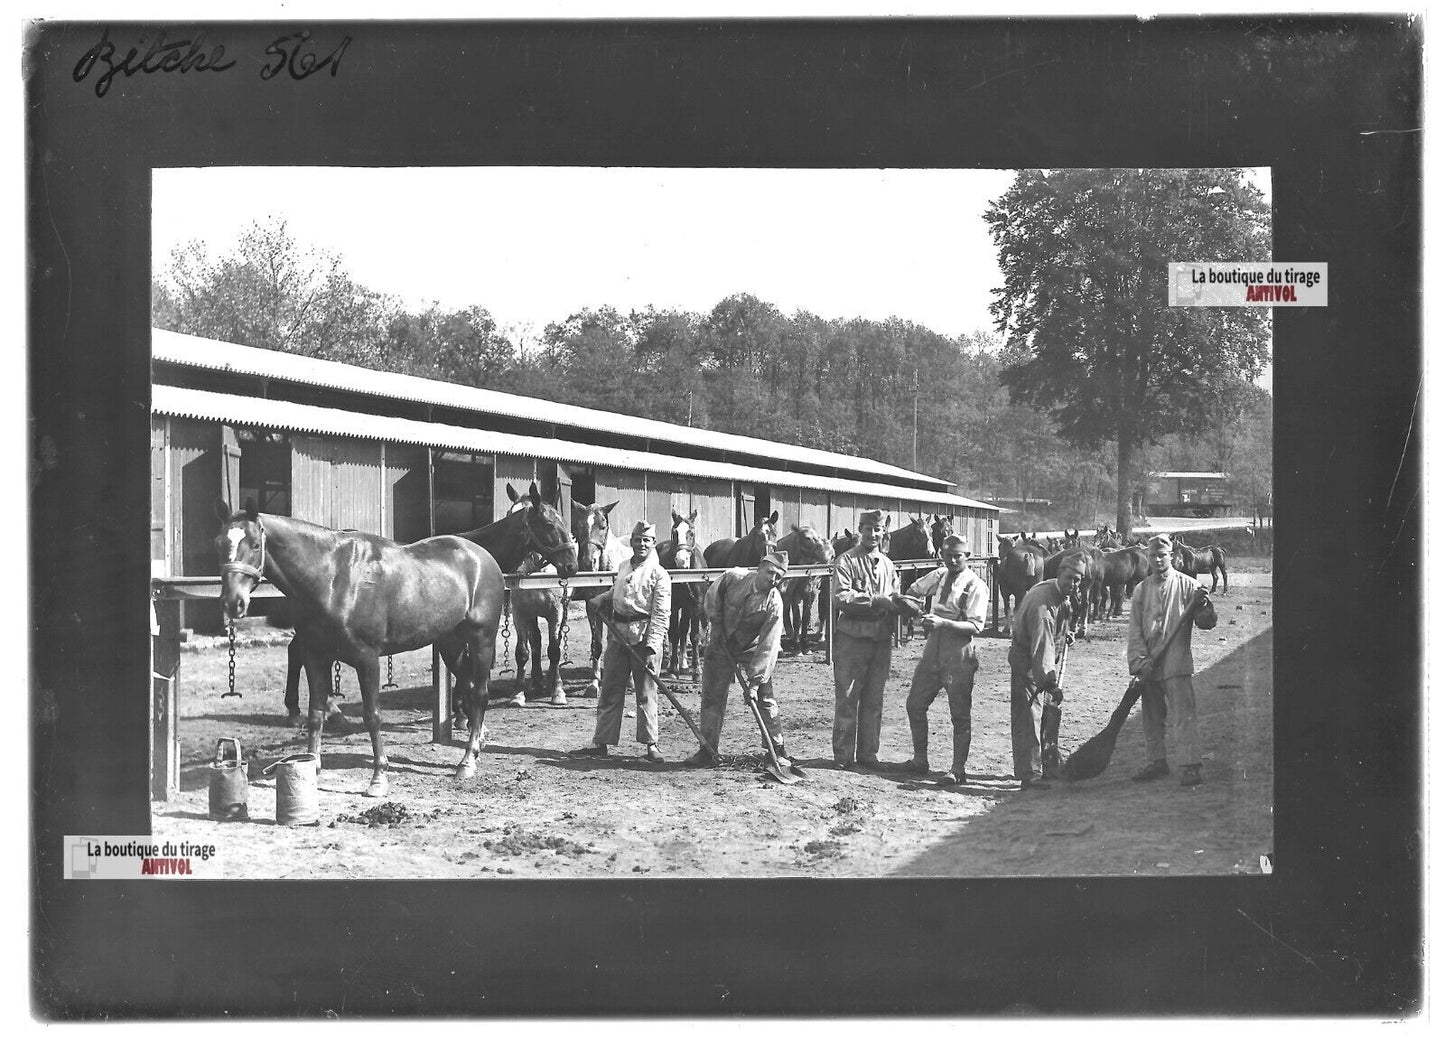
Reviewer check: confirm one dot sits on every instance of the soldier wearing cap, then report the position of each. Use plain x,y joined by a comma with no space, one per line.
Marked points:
1156,608
745,616
959,602
1039,632
865,600
641,604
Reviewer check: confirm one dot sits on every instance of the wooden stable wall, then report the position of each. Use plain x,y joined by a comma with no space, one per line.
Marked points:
517,472
712,499
629,489
337,483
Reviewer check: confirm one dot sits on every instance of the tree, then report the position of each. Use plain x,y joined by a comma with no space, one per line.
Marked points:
272,293
1084,305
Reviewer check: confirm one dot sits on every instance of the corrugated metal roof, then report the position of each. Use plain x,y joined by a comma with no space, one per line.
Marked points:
298,417
1188,475
211,354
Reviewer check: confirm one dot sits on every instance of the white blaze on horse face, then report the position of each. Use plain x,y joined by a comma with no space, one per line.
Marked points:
234,536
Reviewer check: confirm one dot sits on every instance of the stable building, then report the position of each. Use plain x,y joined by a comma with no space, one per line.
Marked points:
408,457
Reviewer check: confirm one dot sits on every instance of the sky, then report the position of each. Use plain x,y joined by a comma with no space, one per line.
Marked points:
533,245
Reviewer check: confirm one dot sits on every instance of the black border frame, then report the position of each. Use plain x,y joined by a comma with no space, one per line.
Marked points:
1333,104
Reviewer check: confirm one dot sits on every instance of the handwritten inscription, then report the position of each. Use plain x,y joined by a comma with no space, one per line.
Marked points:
300,62
294,54
180,56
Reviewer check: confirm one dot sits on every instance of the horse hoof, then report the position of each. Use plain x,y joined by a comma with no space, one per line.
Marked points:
377,788
518,700
466,770
559,699
295,720
590,693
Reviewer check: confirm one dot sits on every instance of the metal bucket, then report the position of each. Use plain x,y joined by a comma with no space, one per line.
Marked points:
229,784
296,797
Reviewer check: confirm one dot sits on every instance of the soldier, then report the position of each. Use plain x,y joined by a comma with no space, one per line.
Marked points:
865,597
949,660
1039,632
641,605
745,615
1156,607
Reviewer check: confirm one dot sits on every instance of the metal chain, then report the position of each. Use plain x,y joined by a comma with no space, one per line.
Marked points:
566,607
336,677
506,633
231,667
390,676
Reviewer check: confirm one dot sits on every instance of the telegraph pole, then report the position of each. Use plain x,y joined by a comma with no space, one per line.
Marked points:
915,419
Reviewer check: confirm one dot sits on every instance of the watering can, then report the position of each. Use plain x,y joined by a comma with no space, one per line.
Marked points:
296,798
229,784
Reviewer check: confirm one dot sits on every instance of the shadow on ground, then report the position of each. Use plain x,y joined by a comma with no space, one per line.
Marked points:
1112,825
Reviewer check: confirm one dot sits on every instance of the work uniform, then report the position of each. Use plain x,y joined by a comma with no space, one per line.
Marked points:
1155,608
949,659
862,652
1039,630
748,622
641,602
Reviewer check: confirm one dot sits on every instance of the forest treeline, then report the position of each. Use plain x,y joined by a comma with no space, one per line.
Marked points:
851,385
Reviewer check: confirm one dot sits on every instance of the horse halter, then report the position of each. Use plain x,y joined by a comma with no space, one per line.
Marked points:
549,553
257,571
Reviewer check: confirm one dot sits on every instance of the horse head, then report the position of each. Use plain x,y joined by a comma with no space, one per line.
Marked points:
806,546
592,528
1071,538
941,530
545,531
683,545
844,541
766,533
241,551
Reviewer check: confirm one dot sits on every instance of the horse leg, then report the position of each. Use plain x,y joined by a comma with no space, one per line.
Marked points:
535,636
368,674
474,672
806,627
317,685
522,652
295,661
554,657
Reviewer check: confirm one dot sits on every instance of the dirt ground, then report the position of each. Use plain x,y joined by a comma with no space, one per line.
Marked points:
534,811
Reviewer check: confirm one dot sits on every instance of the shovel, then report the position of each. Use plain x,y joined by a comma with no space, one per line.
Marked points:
636,655
787,775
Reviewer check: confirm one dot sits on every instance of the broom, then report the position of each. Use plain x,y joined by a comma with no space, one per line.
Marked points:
1090,759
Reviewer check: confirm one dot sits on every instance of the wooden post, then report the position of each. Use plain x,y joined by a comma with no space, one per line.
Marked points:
165,734
441,708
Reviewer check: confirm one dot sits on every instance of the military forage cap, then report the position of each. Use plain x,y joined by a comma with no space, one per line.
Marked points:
1161,538
645,529
871,518
778,560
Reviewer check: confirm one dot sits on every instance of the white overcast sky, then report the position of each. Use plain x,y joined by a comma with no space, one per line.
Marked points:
535,244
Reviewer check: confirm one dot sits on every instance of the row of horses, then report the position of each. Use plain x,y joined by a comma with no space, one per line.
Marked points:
1113,569
357,597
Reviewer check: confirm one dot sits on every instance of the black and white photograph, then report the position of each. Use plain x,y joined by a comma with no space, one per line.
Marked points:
665,498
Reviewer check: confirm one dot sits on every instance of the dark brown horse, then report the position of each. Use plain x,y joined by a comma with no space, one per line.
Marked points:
1020,566
357,597
730,552
805,546
1123,569
909,543
685,631
601,550
530,609
1192,561
939,531
530,526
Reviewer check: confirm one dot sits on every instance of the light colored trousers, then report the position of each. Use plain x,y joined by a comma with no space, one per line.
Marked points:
1171,695
617,666
860,669
948,664
717,685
